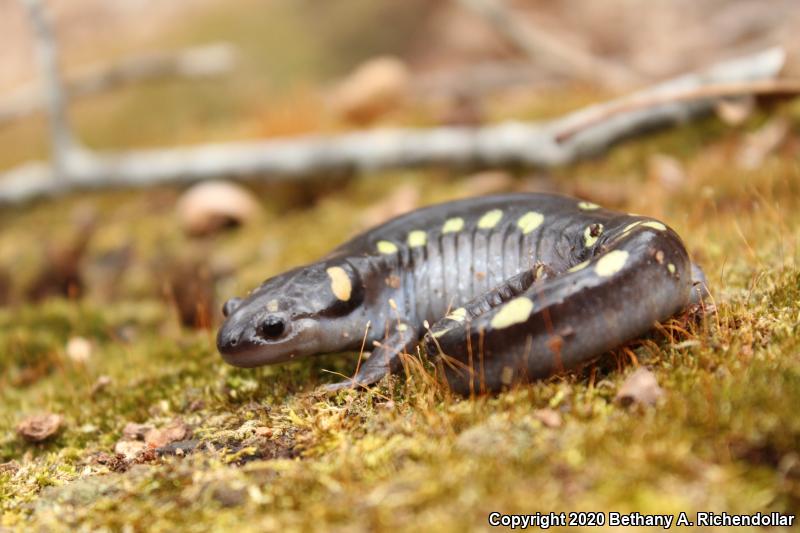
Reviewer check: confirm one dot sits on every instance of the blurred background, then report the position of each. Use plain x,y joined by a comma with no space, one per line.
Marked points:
109,298
291,55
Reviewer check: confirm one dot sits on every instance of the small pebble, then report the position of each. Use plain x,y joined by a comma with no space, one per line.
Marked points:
157,438
38,428
641,387
548,417
79,349
212,206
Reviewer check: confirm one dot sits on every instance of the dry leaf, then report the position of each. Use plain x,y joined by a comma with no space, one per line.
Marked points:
215,205
641,387
134,431
157,438
549,417
38,428
376,87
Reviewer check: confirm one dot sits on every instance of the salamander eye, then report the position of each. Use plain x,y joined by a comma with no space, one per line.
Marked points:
230,306
272,327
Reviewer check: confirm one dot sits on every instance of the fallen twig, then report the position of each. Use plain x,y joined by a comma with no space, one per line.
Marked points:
546,49
777,88
62,139
508,143
196,62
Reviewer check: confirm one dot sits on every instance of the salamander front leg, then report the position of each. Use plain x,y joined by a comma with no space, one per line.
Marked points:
385,358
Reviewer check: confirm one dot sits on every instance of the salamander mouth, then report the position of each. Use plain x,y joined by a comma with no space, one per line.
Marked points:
253,356
242,346
246,351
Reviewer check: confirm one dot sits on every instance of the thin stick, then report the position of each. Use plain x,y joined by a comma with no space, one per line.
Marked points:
534,144
62,139
780,87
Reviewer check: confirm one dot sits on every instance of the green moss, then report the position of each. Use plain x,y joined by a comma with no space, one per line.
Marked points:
408,455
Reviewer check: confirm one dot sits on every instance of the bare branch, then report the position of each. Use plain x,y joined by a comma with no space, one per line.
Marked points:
509,143
546,49
62,139
776,88
196,62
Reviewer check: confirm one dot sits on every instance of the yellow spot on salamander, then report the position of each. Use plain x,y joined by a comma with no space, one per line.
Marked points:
459,315
671,268
272,306
587,206
631,226
514,312
530,221
452,225
654,224
579,266
386,247
402,327
490,219
591,234
340,283
417,238
611,263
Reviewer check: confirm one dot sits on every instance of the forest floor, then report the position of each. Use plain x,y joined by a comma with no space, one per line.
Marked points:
264,451
220,448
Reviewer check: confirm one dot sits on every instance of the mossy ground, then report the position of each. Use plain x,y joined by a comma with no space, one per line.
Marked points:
276,455
407,454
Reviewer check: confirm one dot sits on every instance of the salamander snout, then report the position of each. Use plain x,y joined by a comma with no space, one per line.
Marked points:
252,336
236,341
229,338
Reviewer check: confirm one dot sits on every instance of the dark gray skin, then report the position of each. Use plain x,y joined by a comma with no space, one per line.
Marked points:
535,284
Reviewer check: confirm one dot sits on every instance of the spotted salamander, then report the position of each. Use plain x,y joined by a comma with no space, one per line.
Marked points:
499,290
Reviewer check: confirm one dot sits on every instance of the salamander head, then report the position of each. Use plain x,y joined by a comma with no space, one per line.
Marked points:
305,311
